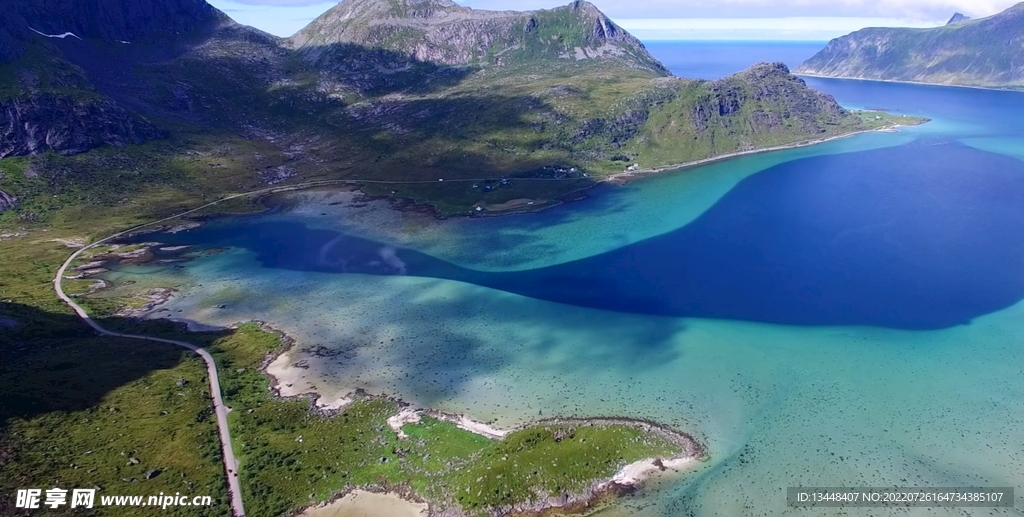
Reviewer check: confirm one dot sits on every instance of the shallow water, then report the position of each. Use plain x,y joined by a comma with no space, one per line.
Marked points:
921,385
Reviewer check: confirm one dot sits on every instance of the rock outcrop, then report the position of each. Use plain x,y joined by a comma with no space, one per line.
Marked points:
7,201
68,125
982,52
48,102
958,18
782,99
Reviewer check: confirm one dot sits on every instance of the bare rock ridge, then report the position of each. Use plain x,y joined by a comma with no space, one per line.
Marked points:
40,123
958,18
445,33
983,52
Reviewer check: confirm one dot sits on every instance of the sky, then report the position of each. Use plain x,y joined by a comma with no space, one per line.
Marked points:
794,20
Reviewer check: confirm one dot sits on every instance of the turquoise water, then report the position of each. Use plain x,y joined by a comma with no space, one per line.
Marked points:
778,405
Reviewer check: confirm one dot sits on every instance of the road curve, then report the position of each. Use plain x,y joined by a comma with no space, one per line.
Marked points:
230,463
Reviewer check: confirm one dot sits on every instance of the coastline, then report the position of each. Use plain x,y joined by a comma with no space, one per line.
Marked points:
628,477
920,83
411,205
626,480
621,178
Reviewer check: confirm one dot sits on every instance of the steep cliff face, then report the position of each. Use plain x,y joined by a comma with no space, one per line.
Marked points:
46,101
443,33
983,52
958,18
39,123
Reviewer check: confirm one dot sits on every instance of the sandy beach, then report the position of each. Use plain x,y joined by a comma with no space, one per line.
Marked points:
360,503
920,83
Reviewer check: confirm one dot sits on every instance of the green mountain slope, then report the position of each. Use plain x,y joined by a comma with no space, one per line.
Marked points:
983,52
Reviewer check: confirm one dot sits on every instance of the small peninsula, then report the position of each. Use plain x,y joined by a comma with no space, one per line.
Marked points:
982,52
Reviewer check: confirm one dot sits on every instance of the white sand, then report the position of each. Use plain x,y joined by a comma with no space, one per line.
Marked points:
639,471
368,504
405,416
412,416
291,383
465,423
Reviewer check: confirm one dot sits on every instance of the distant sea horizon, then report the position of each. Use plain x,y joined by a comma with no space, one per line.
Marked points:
714,59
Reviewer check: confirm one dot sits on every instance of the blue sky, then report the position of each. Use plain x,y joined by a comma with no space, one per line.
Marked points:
815,20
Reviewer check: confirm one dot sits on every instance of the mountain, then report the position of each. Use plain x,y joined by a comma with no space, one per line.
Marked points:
47,102
445,33
389,91
958,18
982,52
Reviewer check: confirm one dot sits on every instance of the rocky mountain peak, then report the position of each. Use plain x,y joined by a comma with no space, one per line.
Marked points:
444,33
958,18
762,70
978,52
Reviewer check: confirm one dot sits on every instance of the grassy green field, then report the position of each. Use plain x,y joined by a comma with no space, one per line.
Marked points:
83,411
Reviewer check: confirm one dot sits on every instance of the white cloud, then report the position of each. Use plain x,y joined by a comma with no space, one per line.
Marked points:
913,9
792,28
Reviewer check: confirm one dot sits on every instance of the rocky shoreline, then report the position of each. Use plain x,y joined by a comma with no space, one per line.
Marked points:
628,479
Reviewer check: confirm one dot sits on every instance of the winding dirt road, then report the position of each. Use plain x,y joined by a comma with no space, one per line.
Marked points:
230,463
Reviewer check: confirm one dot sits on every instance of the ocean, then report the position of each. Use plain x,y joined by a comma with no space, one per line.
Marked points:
846,314
717,59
